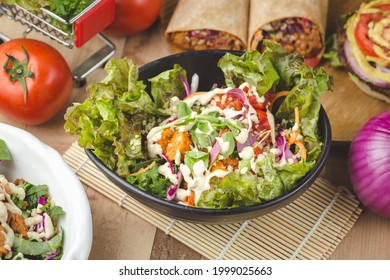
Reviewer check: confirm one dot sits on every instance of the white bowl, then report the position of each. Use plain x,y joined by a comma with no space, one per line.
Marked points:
38,163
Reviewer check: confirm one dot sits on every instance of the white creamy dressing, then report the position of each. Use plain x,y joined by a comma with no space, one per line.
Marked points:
242,136
231,113
32,221
183,128
247,153
244,170
224,145
153,136
212,109
199,182
166,171
205,97
178,157
6,204
271,121
43,232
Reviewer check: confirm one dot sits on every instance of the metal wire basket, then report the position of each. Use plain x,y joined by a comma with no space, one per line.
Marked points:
74,32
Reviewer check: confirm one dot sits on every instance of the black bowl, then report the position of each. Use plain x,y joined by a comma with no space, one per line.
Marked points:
204,64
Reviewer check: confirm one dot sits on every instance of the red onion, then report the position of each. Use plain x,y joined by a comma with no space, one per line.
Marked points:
369,164
214,152
171,192
252,138
169,162
360,72
237,93
383,69
42,200
186,85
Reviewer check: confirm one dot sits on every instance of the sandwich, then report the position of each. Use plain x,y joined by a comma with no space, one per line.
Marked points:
361,45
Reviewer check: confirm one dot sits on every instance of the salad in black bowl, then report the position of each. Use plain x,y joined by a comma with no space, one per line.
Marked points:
208,136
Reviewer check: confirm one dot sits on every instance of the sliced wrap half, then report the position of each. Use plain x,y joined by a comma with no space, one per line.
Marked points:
298,25
209,24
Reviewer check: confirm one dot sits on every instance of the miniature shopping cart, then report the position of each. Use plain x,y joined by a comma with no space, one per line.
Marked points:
74,32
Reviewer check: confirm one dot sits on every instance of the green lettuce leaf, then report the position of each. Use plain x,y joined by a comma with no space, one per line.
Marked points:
151,181
55,213
33,193
251,67
34,248
112,120
306,85
65,9
331,51
271,185
192,157
235,190
4,152
290,174
116,117
168,84
31,5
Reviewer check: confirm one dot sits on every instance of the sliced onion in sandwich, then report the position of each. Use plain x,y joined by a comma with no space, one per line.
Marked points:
359,71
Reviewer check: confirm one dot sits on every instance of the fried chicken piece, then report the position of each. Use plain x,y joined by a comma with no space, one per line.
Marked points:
180,141
166,136
224,164
3,251
16,222
6,188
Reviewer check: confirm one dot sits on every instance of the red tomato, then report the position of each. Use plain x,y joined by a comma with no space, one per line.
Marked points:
312,61
383,7
134,16
263,121
361,30
361,33
47,89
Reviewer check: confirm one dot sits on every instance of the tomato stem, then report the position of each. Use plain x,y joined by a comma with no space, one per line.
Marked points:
18,71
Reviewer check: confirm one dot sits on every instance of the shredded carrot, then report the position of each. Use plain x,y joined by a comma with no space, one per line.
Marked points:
257,150
191,199
142,170
277,96
294,137
301,148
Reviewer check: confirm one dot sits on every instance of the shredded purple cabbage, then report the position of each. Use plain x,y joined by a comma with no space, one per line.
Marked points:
171,193
42,200
214,152
52,255
186,85
169,161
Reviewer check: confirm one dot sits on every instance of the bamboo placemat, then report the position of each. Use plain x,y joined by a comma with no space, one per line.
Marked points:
310,227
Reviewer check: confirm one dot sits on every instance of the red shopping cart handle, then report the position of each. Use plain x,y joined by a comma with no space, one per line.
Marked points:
94,21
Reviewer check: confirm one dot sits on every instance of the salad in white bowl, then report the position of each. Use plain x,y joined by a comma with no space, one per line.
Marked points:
44,211
237,144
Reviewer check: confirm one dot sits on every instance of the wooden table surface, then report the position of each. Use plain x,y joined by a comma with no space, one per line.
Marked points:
347,107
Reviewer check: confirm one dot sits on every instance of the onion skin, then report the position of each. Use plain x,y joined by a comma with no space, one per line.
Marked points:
369,164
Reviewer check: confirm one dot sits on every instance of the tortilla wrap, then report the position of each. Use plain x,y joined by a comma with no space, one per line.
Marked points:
263,12
209,24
